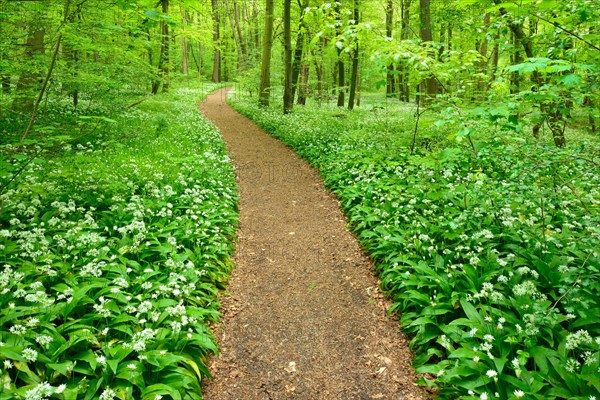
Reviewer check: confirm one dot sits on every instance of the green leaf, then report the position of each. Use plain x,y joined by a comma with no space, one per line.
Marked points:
160,389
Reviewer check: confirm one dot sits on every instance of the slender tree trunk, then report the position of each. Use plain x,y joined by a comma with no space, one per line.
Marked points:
184,45
72,57
516,59
42,91
29,79
224,60
256,35
442,49
265,69
550,109
242,41
319,73
299,50
216,75
164,62
155,80
341,79
402,68
483,51
494,61
355,54
302,88
288,100
200,59
234,33
431,85
587,102
389,26
4,75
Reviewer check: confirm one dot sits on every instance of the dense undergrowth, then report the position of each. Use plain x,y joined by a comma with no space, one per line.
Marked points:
492,259
114,239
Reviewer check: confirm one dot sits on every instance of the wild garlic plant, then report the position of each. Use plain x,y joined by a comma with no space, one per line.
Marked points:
493,261
112,255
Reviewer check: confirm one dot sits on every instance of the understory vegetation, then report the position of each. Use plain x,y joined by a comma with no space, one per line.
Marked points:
490,250
116,233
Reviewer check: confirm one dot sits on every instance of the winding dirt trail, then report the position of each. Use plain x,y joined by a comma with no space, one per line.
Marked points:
304,318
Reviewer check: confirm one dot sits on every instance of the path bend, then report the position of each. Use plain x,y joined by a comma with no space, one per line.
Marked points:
304,318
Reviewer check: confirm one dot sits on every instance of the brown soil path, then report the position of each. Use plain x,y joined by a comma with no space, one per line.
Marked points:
304,318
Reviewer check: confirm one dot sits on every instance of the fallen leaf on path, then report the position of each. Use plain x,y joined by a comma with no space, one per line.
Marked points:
291,368
380,370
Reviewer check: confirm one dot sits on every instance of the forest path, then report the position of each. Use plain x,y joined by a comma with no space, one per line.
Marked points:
304,318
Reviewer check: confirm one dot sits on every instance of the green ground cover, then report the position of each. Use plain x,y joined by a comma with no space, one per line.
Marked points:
114,239
491,255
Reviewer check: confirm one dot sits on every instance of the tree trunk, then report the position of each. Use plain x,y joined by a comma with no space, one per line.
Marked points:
319,74
298,51
303,87
483,51
431,85
216,75
402,68
155,83
242,43
389,26
549,109
288,100
494,59
29,79
184,45
515,59
354,73
256,35
234,33
265,69
341,79
164,62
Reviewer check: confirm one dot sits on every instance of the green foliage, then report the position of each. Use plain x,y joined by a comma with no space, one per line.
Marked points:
114,242
492,260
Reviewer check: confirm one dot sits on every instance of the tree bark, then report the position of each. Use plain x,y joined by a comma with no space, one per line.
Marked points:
234,34
302,88
403,84
515,59
389,26
430,83
184,45
72,58
483,51
242,43
265,69
216,75
341,79
319,73
34,46
299,50
164,62
355,54
288,100
550,109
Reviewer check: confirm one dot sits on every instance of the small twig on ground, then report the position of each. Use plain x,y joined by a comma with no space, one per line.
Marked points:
135,104
570,288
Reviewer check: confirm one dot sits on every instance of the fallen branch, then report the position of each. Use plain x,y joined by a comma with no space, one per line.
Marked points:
135,104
